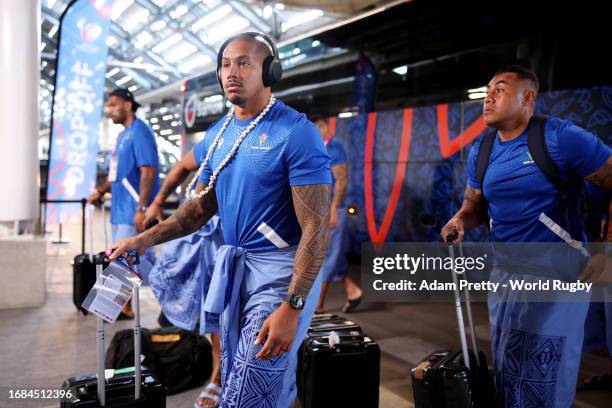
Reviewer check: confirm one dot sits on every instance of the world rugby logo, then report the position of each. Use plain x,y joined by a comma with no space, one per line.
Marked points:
89,31
190,111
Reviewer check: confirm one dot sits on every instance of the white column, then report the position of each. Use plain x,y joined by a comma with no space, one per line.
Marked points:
19,124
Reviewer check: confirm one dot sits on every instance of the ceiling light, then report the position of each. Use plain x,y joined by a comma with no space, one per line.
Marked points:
53,30
301,19
267,12
230,27
180,51
133,88
179,11
477,95
110,41
168,42
119,6
112,72
143,39
165,132
123,80
480,89
279,6
158,25
401,70
211,17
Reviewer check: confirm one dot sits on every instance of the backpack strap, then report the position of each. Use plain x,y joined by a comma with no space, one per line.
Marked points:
541,156
484,153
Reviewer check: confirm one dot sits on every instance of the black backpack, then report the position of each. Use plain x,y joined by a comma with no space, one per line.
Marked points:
590,212
180,359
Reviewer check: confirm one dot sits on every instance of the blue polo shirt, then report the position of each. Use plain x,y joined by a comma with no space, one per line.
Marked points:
254,190
518,192
135,147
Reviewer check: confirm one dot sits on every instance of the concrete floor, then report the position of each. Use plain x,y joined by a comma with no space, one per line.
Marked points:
40,348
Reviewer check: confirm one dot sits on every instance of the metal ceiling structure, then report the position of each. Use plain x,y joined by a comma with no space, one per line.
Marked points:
157,42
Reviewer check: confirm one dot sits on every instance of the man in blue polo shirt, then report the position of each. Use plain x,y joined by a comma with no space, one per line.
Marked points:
133,176
267,173
536,345
335,265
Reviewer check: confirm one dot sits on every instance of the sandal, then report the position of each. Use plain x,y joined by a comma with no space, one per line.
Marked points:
351,305
599,382
216,398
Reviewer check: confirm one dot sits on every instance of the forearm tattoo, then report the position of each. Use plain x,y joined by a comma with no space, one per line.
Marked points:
340,173
189,217
172,181
602,177
312,205
147,180
474,205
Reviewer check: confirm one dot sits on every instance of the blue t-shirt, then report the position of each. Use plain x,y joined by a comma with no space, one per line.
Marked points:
518,192
199,151
135,147
336,152
254,189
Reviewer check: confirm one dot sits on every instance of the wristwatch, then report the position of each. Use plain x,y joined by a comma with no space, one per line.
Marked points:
142,209
295,301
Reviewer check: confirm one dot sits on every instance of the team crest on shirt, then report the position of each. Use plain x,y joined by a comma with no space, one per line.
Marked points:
262,140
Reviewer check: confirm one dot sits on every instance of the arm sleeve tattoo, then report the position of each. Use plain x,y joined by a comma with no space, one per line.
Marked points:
187,219
312,206
602,177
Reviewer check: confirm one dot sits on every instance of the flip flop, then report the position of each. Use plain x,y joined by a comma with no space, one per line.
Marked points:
599,382
351,305
205,394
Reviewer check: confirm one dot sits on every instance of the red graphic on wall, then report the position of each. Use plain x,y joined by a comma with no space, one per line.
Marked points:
379,235
449,147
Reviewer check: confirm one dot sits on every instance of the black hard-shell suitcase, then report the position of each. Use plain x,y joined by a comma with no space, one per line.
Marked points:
119,391
133,387
454,378
83,271
332,323
345,375
83,279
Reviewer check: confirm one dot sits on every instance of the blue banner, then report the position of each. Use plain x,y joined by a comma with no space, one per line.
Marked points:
364,86
77,105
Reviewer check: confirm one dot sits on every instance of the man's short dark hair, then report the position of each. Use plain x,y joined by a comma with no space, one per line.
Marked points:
317,117
522,72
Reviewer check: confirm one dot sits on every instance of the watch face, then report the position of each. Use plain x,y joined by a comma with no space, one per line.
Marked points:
298,302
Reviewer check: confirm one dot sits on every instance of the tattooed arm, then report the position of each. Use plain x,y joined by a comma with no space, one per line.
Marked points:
175,177
187,219
312,206
470,215
147,181
340,172
602,177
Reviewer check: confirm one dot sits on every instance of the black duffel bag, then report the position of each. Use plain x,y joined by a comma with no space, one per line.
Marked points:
180,359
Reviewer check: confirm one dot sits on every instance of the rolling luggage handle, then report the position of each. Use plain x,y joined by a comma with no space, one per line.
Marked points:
463,337
99,260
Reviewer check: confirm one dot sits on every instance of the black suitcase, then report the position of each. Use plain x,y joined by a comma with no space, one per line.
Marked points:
454,378
132,387
332,323
83,271
119,391
345,375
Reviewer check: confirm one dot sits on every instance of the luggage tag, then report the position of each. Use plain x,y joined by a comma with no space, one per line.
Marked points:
113,289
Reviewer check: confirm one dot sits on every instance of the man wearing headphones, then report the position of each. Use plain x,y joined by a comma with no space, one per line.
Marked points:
267,173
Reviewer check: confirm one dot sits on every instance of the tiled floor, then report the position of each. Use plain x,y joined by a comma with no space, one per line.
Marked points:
41,347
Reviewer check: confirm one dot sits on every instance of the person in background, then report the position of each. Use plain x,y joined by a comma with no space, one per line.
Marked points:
133,175
335,265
